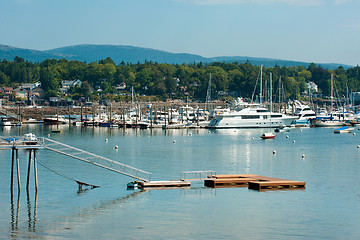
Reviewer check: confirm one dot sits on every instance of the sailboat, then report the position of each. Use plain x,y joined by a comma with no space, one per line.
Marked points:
331,122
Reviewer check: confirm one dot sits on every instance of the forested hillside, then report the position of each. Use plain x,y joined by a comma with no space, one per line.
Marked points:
171,80
130,54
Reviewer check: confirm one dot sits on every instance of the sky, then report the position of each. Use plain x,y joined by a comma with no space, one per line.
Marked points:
320,31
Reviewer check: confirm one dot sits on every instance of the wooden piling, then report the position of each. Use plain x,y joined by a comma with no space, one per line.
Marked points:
18,168
12,169
35,172
28,173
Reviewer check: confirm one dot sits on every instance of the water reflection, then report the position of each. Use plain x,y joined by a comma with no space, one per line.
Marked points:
32,215
15,213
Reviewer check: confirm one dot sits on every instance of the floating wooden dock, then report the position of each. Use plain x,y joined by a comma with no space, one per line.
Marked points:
276,184
164,184
251,181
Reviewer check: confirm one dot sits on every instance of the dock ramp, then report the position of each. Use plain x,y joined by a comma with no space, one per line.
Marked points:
96,160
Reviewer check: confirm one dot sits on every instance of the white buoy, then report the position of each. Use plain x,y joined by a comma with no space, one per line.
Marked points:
358,146
354,134
116,147
106,140
303,156
190,134
300,130
174,141
287,136
209,132
274,152
294,141
252,138
126,132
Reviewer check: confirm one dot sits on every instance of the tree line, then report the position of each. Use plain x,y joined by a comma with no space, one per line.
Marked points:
175,81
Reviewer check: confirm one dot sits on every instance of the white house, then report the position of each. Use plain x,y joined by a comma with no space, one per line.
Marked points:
67,84
313,87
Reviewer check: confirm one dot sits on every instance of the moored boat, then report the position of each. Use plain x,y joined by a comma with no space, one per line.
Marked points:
344,130
5,122
55,120
282,129
329,123
132,185
268,135
251,116
30,139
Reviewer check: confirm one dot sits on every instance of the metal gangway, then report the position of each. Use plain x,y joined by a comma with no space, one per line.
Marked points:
96,160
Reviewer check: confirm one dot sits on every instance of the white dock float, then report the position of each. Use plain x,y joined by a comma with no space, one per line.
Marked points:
164,184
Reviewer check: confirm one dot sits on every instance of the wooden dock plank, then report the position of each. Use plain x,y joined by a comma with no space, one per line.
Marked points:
256,182
164,184
278,184
253,176
227,181
235,176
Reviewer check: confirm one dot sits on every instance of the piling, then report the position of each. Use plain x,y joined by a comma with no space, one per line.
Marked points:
18,168
12,168
28,173
35,172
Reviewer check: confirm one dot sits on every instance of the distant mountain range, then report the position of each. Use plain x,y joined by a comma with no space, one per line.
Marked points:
92,53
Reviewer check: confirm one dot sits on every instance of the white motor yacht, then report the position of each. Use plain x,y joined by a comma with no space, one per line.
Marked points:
251,116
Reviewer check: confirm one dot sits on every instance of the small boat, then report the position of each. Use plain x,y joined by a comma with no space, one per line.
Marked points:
268,135
32,121
343,130
77,123
132,185
5,122
328,123
282,129
55,120
30,139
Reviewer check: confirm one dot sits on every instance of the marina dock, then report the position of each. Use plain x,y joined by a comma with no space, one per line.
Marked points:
164,184
251,181
255,182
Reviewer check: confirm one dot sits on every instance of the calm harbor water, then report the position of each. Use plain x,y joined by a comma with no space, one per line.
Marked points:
329,207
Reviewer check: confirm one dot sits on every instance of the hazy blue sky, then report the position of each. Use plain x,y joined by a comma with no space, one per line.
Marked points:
320,31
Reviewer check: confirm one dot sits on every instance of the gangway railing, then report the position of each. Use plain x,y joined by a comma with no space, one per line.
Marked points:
21,142
197,175
96,160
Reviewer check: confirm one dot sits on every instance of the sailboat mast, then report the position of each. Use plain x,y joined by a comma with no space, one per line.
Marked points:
261,83
279,93
132,97
208,94
270,92
331,98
